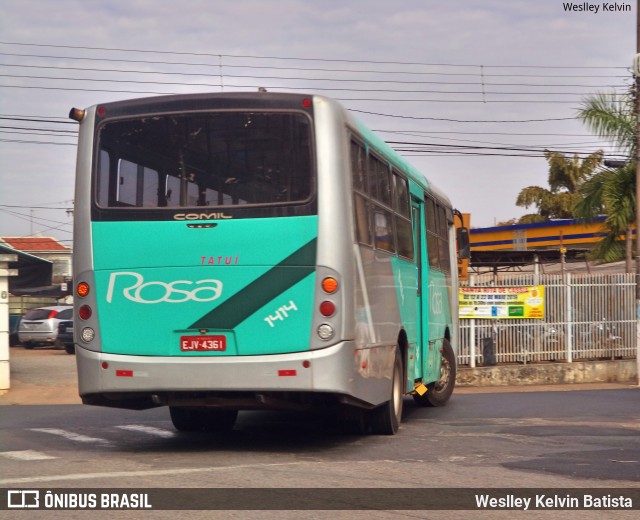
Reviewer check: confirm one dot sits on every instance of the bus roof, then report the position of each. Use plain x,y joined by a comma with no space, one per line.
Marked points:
266,99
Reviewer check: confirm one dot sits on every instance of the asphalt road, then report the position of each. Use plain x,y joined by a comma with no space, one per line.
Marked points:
558,438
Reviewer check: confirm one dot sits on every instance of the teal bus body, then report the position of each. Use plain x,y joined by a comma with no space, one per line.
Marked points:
244,251
142,270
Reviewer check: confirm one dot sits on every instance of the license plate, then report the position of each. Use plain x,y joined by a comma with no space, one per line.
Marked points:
203,343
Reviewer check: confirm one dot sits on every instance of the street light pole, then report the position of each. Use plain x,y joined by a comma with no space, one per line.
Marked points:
637,107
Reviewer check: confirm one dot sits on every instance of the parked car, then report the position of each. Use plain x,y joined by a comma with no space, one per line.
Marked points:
14,322
65,336
40,326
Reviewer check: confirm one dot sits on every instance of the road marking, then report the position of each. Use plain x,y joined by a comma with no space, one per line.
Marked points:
76,437
26,455
148,473
158,432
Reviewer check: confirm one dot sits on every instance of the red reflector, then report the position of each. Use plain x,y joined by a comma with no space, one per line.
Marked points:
306,103
287,373
101,111
124,373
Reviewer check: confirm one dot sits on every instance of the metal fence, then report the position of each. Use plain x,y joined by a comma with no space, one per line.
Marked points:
587,317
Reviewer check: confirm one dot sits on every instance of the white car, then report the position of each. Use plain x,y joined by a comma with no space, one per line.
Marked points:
40,326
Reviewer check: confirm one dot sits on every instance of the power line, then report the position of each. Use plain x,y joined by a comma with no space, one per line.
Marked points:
34,207
36,119
219,66
465,120
53,130
306,58
345,100
460,132
335,89
24,141
31,218
301,78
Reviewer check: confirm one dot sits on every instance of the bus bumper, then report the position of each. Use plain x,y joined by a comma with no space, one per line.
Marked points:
142,381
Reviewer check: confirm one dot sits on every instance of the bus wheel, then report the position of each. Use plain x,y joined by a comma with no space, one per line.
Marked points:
218,421
439,392
186,419
353,421
385,419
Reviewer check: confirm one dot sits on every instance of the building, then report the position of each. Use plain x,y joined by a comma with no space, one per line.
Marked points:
59,289
47,248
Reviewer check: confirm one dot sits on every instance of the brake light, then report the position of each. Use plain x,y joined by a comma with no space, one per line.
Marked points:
85,312
327,308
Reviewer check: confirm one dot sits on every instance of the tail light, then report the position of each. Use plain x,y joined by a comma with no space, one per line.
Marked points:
85,312
82,289
327,308
329,285
87,334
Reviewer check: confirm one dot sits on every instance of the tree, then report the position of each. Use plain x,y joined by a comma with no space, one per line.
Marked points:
565,178
611,191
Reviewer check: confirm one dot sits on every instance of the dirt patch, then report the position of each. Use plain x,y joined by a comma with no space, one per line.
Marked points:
41,376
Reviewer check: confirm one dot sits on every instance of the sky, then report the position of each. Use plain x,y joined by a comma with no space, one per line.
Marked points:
470,91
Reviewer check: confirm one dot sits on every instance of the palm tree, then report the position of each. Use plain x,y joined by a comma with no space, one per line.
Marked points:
611,191
611,117
565,178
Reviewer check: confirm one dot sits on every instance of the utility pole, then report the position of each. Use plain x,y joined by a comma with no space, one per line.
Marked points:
637,107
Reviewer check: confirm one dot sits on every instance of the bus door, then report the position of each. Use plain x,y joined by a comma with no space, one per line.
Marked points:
417,216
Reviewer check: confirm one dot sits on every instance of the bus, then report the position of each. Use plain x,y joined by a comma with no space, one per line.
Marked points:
243,251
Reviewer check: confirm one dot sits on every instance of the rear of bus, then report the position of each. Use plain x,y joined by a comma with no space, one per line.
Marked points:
203,273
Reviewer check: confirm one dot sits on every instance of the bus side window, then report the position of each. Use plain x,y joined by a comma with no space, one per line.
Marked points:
404,230
383,229
104,165
358,171
432,230
379,173
150,186
172,191
362,223
404,237
127,183
443,240
400,195
137,185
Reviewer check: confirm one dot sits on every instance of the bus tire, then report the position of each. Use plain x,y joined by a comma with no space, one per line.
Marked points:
439,392
186,419
353,421
386,418
216,420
